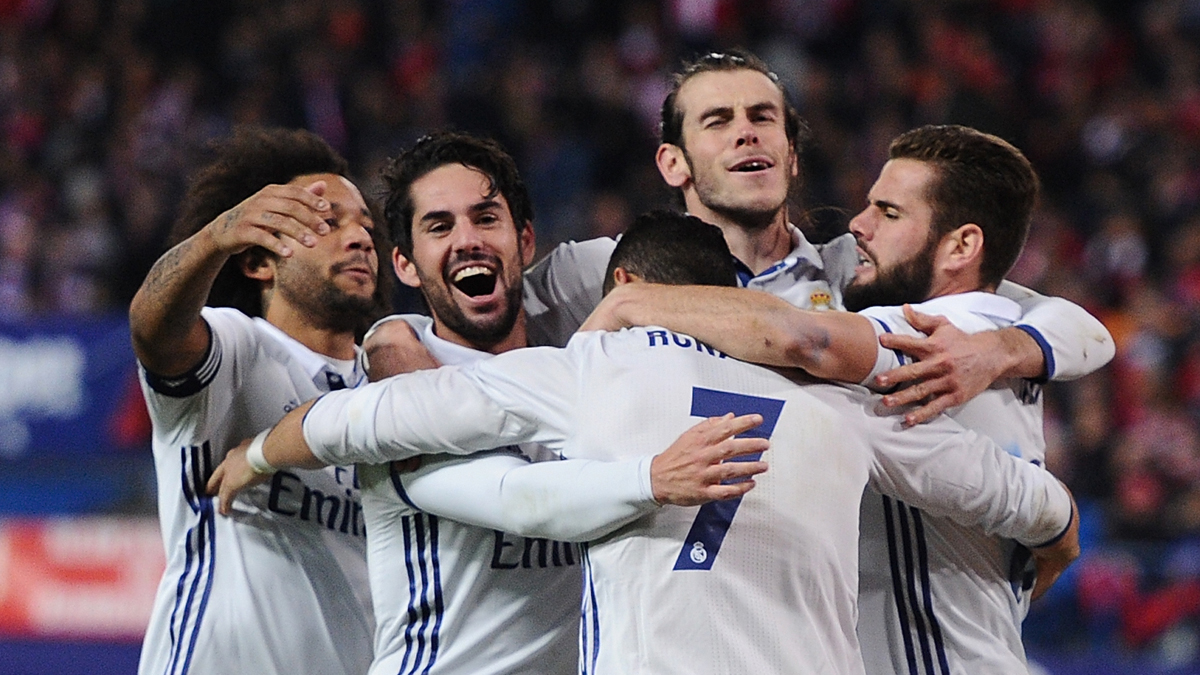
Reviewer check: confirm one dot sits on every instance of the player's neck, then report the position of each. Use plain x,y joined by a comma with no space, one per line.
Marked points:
759,248
954,282
335,343
516,338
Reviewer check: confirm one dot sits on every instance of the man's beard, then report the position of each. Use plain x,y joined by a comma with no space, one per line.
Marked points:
905,282
481,333
747,217
328,306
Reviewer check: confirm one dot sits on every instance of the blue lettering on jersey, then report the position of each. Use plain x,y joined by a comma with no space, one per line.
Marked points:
664,338
512,551
289,496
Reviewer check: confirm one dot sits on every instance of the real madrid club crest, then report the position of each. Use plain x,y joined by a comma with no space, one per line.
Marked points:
820,300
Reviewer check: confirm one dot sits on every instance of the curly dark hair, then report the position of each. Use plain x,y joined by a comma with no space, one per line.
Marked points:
243,164
439,149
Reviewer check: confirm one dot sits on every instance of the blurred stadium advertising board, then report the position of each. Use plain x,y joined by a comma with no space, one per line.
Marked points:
91,578
68,387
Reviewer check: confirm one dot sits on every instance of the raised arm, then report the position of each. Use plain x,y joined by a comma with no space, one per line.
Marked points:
749,325
169,336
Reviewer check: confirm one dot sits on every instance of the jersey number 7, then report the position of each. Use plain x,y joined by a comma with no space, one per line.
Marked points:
712,521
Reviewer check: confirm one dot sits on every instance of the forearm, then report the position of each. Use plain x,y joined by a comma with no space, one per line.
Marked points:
1022,355
962,475
755,326
164,316
1072,342
571,500
427,412
285,446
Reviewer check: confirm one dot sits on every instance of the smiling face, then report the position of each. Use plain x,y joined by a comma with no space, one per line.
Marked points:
467,257
896,242
736,163
334,281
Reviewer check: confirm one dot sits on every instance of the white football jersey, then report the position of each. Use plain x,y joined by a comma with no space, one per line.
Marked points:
563,288
279,586
956,607
459,598
763,584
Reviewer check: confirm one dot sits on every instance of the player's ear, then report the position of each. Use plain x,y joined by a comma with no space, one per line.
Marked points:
257,263
622,276
673,165
406,271
527,243
964,247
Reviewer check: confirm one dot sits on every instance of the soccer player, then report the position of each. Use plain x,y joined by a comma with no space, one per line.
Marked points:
456,587
731,146
944,222
277,242
763,584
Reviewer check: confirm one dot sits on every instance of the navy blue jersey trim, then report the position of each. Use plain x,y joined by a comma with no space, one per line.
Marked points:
193,381
935,628
914,607
399,486
900,356
1047,351
425,600
898,588
1054,540
200,547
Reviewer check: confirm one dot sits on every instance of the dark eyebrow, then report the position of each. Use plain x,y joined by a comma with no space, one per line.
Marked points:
884,204
766,106
485,205
717,111
478,207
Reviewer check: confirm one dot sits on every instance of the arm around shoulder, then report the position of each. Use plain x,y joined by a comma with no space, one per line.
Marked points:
1073,343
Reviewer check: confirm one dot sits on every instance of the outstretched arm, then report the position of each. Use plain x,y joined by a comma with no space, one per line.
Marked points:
579,499
169,336
748,325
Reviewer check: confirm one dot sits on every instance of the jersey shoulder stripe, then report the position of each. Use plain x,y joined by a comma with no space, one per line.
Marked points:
193,381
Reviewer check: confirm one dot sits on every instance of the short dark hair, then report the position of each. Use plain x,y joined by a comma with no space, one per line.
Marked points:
978,178
667,247
671,123
251,159
439,149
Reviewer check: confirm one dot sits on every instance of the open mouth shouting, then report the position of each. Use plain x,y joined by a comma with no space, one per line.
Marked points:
475,281
477,277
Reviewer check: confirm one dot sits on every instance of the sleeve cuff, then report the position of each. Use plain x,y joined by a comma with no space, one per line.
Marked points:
1058,537
1047,351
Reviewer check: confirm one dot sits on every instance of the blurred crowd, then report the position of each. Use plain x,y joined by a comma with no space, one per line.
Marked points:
106,106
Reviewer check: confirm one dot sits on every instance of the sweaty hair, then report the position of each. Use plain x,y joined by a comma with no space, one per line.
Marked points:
667,247
243,164
671,123
439,149
978,178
